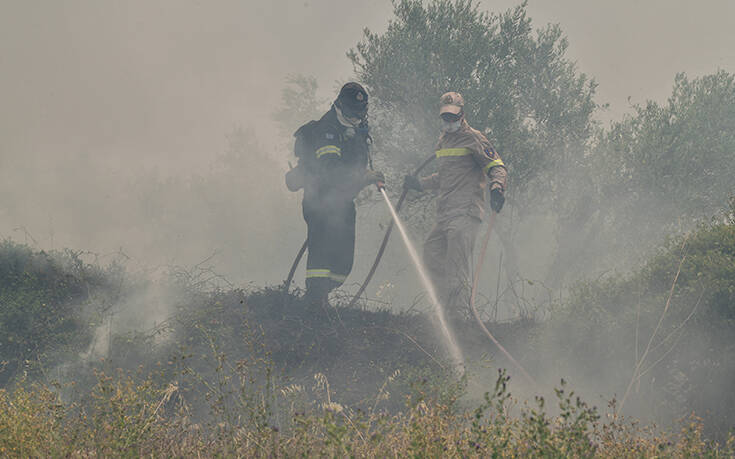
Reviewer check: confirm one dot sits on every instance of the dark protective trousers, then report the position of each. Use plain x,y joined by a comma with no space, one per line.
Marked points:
447,256
331,243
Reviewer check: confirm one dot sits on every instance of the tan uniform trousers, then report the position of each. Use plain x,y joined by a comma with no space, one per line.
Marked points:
447,256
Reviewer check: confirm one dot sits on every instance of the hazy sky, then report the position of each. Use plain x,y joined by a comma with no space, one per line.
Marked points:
635,47
148,81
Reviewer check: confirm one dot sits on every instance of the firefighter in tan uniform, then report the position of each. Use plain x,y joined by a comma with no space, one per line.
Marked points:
467,163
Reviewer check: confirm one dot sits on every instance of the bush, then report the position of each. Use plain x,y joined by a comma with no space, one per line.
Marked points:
42,298
669,326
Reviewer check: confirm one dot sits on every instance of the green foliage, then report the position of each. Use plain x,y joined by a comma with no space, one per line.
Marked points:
299,104
607,194
42,299
520,88
666,166
682,148
517,83
199,401
668,326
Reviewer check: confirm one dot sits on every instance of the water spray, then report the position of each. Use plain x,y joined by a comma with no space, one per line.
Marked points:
378,257
449,340
386,237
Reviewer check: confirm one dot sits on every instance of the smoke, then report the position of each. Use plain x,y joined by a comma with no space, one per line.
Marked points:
146,129
115,120
103,102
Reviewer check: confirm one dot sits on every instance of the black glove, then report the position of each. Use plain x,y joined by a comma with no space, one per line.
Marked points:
374,177
411,182
497,199
295,179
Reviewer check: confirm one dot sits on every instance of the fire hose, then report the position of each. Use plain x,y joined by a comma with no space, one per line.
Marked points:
473,295
388,231
378,257
295,265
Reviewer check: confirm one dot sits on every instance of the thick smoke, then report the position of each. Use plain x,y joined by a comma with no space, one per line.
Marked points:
104,104
147,129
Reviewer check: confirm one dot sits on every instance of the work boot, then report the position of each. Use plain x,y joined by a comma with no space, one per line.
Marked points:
317,293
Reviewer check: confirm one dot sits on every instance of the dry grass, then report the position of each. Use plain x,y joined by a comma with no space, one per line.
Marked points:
125,417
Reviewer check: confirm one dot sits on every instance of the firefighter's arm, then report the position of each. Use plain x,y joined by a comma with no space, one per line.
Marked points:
497,173
495,169
498,177
491,164
337,177
327,156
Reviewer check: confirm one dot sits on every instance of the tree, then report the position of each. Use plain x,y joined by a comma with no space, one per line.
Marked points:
299,104
668,165
520,89
518,84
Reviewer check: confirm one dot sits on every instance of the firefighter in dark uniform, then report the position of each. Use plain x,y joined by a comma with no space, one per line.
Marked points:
333,168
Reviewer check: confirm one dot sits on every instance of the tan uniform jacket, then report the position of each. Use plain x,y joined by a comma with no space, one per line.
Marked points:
466,161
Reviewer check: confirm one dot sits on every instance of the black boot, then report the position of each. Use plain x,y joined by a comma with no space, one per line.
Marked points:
317,292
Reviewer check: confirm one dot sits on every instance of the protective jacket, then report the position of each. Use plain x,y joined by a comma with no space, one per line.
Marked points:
467,161
334,160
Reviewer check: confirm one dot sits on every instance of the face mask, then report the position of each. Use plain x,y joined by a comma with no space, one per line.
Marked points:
345,120
452,126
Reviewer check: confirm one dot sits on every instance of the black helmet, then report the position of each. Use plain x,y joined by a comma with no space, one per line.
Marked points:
353,100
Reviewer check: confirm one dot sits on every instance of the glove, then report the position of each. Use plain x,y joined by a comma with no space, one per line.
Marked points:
295,179
374,177
497,199
411,182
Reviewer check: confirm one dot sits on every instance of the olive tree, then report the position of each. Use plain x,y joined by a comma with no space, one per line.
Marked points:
519,86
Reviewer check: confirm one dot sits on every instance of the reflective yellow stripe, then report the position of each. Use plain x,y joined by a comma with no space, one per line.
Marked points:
328,150
494,163
337,277
311,273
325,273
444,152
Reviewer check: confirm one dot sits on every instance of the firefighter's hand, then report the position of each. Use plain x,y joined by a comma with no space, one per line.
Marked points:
374,177
497,199
411,182
295,179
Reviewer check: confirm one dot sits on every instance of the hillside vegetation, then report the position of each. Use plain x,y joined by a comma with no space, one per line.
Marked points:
261,372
